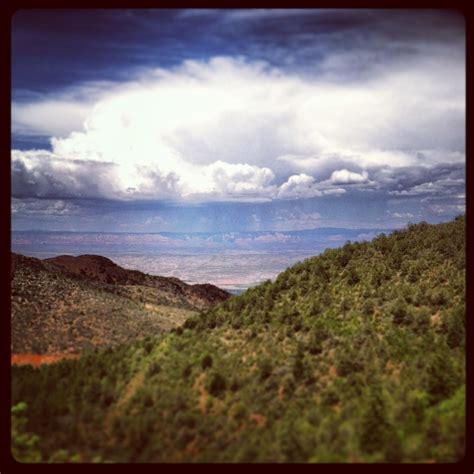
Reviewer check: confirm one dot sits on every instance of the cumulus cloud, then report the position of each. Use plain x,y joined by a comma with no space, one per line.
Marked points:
233,129
225,179
347,177
300,185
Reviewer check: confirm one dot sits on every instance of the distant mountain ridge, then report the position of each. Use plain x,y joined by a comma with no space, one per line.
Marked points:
104,242
104,270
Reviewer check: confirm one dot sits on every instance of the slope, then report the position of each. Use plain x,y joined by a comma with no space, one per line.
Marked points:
357,355
67,304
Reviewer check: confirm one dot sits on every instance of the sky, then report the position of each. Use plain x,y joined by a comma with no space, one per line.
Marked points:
236,120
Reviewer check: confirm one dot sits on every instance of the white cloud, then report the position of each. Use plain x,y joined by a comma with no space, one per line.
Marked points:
233,179
300,185
50,117
334,191
233,129
348,177
421,189
401,215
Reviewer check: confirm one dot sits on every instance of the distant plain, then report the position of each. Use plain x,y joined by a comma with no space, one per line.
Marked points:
233,261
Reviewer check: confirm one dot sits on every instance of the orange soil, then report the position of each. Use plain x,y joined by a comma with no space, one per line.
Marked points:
39,359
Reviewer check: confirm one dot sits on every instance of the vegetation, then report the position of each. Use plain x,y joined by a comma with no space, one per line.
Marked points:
356,355
69,307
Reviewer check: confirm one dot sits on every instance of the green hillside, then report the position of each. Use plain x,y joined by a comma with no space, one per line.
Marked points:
356,355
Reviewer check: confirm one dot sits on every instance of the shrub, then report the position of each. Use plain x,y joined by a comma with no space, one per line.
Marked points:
437,297
266,368
24,445
454,326
400,314
375,428
217,385
421,320
442,379
187,371
330,397
347,364
148,347
206,362
154,369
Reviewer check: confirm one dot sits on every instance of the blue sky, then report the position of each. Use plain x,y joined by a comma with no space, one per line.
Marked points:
228,120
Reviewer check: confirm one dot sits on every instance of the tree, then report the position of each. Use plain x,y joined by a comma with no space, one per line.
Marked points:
206,361
266,368
24,444
375,427
218,385
400,312
454,326
442,379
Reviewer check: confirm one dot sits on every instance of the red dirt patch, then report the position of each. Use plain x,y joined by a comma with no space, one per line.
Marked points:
436,319
40,359
259,419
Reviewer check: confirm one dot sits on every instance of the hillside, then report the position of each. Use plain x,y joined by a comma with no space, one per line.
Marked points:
66,304
356,355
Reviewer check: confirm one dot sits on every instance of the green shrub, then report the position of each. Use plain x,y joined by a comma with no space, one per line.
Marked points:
24,444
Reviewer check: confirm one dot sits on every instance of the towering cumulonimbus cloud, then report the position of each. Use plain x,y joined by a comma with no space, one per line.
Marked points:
230,129
323,109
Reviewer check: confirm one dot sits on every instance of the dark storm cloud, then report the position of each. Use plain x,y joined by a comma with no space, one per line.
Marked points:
445,179
362,41
50,178
118,41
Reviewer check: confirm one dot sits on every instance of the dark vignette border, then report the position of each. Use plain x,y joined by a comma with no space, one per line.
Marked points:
7,463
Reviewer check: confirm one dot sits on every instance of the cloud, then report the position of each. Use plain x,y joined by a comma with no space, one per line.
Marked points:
298,186
334,191
441,187
48,117
226,179
44,207
347,177
56,114
446,209
401,215
41,174
294,218
235,129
